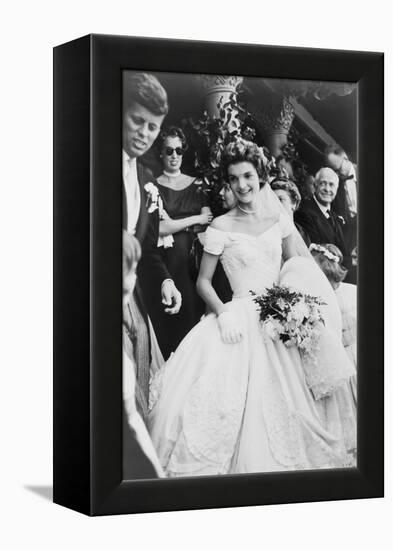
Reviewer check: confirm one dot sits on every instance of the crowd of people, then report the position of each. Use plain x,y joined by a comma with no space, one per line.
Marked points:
204,391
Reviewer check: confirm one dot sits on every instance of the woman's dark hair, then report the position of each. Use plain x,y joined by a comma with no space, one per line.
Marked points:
333,270
286,184
146,90
242,150
173,132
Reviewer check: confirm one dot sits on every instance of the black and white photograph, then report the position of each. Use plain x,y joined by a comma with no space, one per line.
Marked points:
195,247
239,233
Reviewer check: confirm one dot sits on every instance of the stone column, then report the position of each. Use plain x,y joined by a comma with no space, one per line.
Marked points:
276,122
216,89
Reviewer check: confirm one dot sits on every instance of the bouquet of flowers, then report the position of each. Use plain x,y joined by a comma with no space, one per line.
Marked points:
290,316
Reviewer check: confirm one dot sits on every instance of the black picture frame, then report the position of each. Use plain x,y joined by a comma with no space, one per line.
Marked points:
87,275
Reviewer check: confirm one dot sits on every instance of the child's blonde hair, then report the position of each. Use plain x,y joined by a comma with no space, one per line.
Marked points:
329,259
131,252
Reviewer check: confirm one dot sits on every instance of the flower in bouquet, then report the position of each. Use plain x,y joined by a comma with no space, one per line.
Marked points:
299,311
291,341
272,328
292,317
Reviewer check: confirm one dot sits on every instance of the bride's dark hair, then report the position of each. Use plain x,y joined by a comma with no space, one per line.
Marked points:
242,150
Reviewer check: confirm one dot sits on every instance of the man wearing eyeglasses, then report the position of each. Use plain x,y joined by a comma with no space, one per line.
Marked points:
145,106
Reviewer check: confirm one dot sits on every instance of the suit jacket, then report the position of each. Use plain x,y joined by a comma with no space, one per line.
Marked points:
151,273
340,203
151,269
322,230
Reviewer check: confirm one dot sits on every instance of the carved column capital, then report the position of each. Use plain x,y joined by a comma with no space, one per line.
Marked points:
216,88
212,83
277,120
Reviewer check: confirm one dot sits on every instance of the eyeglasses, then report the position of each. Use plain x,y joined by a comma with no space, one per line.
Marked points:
170,150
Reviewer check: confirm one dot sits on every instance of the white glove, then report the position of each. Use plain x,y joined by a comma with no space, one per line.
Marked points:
231,332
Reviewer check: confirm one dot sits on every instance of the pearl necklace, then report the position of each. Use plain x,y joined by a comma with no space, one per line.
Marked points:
247,211
171,176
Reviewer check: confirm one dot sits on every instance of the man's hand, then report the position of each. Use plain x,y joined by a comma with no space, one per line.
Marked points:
170,297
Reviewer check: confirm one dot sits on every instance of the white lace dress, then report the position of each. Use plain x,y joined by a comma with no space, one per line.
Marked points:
238,408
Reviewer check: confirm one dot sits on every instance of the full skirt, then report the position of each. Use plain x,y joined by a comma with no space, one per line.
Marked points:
221,408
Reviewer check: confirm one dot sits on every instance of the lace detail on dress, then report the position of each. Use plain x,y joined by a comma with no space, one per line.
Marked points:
252,262
246,408
293,441
240,253
338,416
212,419
330,369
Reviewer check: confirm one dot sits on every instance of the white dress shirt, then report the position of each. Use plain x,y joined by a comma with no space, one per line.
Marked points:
324,209
133,194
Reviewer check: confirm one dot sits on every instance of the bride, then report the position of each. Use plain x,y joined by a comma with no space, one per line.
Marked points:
229,400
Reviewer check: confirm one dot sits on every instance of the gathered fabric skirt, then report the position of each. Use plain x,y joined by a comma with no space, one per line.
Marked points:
221,408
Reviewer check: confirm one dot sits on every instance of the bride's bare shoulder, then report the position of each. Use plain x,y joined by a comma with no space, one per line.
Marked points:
223,223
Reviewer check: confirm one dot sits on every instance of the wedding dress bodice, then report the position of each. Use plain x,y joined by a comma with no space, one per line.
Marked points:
250,262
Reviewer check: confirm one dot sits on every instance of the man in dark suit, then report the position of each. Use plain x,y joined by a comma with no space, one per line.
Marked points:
318,219
144,109
145,106
346,201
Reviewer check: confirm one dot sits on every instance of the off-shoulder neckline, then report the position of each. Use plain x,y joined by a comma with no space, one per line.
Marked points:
245,234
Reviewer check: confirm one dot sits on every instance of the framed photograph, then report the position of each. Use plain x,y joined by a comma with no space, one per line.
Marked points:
218,275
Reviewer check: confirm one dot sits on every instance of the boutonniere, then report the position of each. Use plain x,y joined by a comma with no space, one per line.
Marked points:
153,195
341,219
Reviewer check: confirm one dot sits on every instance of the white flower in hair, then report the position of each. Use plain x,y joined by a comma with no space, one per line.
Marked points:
329,255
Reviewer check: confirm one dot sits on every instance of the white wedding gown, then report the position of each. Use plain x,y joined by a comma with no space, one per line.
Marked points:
238,408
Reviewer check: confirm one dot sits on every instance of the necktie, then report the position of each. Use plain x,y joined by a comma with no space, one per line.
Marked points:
329,218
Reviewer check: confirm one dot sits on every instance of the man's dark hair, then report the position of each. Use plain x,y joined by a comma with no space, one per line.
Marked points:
146,90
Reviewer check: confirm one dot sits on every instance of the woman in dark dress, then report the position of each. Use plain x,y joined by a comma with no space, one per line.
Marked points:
184,214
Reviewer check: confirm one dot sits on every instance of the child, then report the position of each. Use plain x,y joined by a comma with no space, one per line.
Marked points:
329,258
135,427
